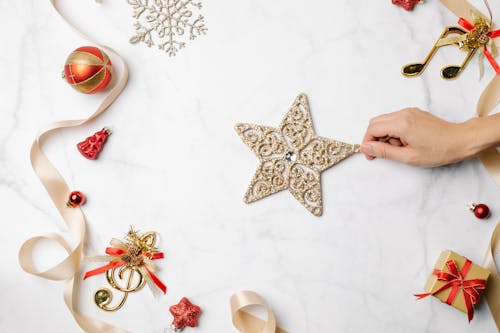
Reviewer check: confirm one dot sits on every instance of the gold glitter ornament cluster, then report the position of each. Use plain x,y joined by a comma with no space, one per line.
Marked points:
292,157
136,247
478,36
166,23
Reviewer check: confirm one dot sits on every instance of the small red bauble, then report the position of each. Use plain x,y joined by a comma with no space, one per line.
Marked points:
75,199
185,314
406,4
92,146
481,211
88,69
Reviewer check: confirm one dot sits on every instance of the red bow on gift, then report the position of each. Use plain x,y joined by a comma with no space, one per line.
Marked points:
490,34
455,279
118,261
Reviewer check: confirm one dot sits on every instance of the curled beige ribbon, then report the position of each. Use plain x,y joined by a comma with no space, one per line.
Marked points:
247,323
75,220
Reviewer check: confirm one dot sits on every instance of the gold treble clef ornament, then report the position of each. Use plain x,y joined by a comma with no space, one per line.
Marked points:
130,268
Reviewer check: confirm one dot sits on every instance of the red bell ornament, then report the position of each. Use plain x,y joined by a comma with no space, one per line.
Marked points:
88,69
481,211
92,146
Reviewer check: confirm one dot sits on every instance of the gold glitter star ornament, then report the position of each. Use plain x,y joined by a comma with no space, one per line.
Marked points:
292,157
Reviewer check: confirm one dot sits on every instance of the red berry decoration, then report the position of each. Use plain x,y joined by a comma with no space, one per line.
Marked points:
185,314
75,199
92,146
406,4
481,211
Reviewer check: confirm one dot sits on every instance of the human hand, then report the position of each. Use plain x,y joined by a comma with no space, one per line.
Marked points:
418,138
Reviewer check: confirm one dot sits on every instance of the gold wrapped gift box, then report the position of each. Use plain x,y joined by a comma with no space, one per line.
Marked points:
434,284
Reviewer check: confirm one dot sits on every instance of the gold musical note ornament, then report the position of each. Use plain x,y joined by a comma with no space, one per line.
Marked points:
130,268
448,72
468,37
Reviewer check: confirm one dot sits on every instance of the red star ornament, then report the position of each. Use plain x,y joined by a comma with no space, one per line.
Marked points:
406,4
185,314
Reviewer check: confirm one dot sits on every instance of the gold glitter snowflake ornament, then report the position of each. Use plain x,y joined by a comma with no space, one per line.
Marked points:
292,157
166,23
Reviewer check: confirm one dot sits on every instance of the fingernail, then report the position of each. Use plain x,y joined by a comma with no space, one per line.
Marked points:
367,149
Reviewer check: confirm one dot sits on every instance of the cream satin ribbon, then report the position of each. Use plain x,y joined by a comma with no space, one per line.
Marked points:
491,160
75,220
245,322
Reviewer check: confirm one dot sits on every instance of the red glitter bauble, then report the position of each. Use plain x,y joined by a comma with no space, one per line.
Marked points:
88,69
92,146
185,314
406,4
75,199
481,211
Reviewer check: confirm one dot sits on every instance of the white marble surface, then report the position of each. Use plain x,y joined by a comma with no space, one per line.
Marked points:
175,165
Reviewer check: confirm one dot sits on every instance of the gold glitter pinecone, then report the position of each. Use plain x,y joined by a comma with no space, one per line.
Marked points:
133,257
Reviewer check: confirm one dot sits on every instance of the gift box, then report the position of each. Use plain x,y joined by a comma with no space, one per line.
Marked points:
456,281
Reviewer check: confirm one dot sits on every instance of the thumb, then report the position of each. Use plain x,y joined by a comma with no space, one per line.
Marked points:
384,150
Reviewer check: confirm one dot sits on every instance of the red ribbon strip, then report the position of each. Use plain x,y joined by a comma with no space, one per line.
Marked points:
492,34
157,281
466,24
103,269
455,279
492,61
157,255
114,264
113,251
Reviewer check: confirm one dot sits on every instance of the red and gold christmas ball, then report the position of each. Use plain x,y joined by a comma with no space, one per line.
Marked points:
88,69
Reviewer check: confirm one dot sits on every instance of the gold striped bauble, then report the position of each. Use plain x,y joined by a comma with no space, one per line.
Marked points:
88,69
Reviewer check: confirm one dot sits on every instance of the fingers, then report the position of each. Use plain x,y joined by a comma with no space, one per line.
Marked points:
386,150
379,130
395,142
392,141
390,126
383,128
391,135
369,135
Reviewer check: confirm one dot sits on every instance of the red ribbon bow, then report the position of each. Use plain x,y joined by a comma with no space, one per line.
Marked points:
455,279
492,34
113,264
